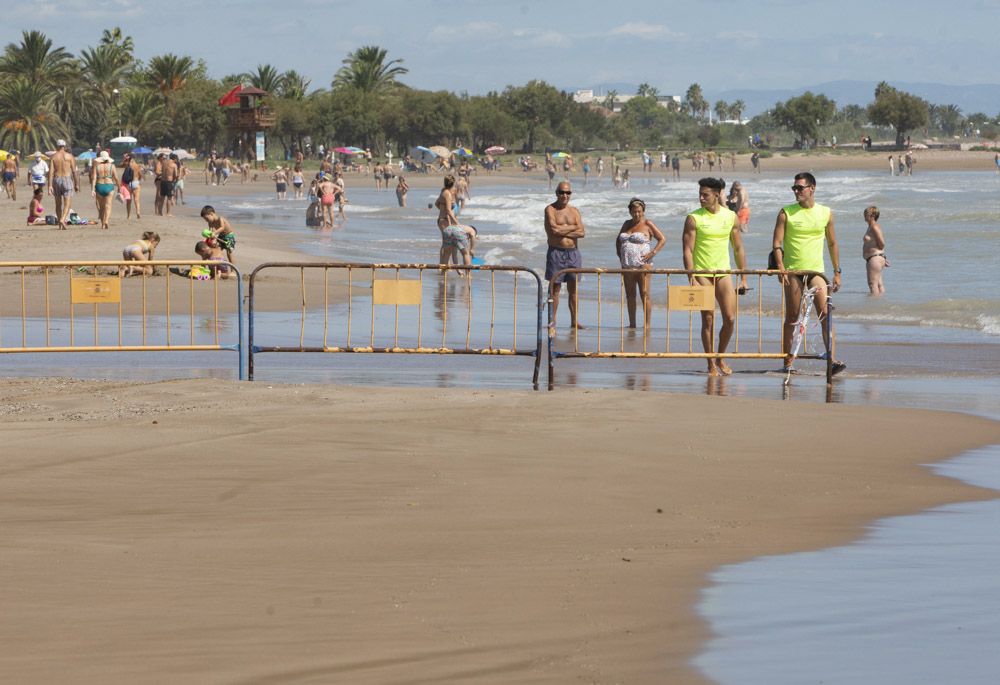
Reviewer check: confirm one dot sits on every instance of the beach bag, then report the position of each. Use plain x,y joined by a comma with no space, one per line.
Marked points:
127,175
124,193
51,220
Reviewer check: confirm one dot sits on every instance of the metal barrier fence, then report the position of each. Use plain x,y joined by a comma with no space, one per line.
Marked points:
41,302
483,299
659,341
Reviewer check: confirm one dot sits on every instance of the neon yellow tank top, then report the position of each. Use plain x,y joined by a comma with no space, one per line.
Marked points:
805,231
711,243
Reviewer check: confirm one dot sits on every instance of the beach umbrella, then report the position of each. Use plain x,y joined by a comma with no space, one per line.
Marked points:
495,150
162,151
560,155
4,155
89,154
183,154
440,151
463,152
142,150
423,154
343,150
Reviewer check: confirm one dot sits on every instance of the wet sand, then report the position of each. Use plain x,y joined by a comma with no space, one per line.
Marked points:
210,530
219,531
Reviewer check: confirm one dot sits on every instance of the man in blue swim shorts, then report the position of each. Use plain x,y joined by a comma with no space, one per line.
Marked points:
563,228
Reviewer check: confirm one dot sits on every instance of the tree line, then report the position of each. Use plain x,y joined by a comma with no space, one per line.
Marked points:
48,93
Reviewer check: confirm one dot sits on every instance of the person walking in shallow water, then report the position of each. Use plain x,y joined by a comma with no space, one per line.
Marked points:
873,250
708,233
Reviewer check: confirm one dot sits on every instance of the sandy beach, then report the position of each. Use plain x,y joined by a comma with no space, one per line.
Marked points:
241,532
208,531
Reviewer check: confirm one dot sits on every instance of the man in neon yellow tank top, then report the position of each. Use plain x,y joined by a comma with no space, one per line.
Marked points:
798,246
708,233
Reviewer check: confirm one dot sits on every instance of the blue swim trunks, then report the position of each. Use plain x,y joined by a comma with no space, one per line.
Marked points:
558,258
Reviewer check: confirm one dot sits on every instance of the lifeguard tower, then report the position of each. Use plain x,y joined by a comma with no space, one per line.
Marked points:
248,117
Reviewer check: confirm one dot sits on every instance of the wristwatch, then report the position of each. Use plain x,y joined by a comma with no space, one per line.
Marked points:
837,270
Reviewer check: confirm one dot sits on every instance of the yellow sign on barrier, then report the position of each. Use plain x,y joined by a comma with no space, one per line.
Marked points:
692,298
396,292
95,290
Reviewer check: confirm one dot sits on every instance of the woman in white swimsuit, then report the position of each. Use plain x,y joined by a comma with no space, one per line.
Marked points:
140,251
633,248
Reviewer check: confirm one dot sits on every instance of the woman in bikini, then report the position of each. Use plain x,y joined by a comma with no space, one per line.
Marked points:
873,250
634,252
139,251
36,213
131,177
103,183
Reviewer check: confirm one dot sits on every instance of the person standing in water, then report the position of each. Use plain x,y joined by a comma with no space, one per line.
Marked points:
873,250
708,233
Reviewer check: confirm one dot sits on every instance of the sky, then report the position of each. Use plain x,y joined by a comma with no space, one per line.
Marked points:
476,46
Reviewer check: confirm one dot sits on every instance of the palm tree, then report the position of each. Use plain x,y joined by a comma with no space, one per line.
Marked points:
28,120
168,74
645,90
737,109
366,70
115,38
609,100
695,101
105,68
140,112
37,61
721,109
294,85
266,78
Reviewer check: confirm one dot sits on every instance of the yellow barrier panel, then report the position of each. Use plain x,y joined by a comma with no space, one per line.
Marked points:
140,313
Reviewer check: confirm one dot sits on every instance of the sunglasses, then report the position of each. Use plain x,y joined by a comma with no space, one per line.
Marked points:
564,192
798,188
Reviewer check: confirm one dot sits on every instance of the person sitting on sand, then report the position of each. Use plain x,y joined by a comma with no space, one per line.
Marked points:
221,230
36,213
139,251
214,254
708,233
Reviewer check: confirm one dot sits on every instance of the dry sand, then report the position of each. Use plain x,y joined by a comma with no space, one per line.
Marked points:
206,531
201,531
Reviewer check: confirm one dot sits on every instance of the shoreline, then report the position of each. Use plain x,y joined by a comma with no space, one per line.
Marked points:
352,545
603,639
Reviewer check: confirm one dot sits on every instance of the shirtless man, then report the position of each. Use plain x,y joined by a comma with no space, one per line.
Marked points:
10,170
157,179
63,181
169,175
563,228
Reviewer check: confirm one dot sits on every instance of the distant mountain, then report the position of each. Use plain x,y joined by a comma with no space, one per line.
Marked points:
983,97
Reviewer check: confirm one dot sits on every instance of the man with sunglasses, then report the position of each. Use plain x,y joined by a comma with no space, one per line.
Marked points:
799,232
563,228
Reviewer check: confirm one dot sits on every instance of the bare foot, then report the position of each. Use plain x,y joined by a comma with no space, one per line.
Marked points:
724,368
713,370
577,325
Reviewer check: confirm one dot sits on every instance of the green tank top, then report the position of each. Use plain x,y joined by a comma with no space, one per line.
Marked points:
711,242
805,231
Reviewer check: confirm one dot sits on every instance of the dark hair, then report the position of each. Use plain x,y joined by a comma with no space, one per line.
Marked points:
716,184
200,245
150,235
807,177
449,181
636,201
474,229
207,209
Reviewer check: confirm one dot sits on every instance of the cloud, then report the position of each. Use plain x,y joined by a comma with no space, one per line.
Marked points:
470,31
543,39
643,31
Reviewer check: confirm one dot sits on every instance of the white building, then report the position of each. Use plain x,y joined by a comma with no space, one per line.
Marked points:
587,97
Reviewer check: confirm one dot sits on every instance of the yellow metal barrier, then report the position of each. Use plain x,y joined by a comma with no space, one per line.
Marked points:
52,305
401,293
671,291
